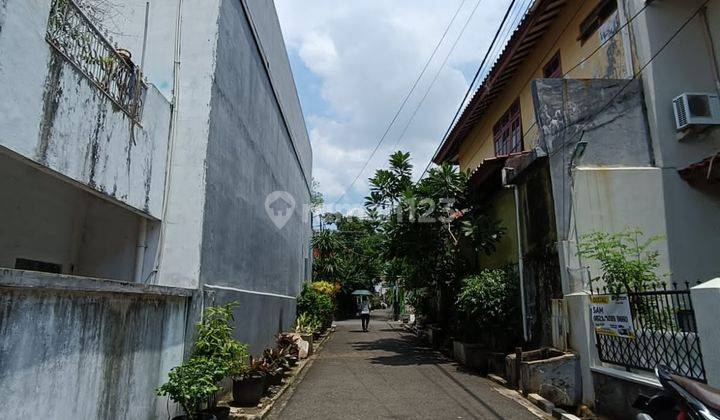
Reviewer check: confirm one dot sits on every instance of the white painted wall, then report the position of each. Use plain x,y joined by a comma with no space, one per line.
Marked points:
692,222
612,199
705,298
87,138
180,263
49,220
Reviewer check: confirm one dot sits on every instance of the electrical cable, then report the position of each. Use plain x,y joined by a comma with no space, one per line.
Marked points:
477,74
402,104
503,37
437,74
578,64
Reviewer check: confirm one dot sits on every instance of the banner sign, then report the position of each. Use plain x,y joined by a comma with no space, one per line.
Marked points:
611,315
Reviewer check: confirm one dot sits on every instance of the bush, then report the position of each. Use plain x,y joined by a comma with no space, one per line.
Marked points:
192,383
326,288
487,298
215,341
626,261
315,304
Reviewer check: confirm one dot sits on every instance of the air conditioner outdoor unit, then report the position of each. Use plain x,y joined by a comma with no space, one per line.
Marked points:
693,109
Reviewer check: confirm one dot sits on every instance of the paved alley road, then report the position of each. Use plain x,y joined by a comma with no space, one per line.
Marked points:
383,374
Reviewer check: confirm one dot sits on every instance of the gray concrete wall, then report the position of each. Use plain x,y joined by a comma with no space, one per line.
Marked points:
267,27
251,154
570,111
68,354
53,115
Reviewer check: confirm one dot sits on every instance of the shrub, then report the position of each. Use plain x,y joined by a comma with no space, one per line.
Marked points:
626,262
326,288
315,304
192,383
215,341
306,324
487,298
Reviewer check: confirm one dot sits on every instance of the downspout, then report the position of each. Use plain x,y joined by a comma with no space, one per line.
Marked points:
171,140
140,249
516,194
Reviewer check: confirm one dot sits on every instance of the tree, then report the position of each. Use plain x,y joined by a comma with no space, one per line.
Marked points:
425,226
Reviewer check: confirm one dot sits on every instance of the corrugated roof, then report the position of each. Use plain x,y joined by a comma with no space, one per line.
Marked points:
531,28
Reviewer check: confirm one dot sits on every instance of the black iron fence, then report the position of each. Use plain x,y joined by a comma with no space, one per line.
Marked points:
662,331
84,45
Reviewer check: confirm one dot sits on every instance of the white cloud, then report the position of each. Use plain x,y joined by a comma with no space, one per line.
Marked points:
367,55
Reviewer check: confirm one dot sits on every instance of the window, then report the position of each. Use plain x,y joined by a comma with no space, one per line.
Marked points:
592,22
507,132
553,69
32,265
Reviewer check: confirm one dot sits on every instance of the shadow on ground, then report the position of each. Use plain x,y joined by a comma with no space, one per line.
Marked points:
406,352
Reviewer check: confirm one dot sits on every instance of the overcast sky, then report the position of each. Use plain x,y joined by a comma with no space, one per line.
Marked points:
355,60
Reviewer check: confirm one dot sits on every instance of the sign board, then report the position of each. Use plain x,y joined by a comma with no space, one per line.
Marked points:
611,315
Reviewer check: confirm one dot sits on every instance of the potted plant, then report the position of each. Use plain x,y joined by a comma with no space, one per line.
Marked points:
249,383
215,340
305,326
191,384
290,348
274,360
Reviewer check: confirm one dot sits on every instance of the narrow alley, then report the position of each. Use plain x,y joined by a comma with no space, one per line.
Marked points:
386,374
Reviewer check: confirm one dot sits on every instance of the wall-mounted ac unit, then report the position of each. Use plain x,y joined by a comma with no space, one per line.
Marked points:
693,109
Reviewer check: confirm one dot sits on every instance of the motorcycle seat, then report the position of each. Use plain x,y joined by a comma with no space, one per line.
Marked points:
705,393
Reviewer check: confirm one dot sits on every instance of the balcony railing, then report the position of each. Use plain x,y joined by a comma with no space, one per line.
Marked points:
83,44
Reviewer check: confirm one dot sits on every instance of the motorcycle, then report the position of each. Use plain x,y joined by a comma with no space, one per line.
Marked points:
680,399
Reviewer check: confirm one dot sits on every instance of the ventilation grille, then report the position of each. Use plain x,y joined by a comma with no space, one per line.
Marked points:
680,114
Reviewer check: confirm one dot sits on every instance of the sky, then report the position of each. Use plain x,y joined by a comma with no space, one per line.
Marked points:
354,61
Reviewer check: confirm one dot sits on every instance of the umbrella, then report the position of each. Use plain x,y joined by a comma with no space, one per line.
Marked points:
362,293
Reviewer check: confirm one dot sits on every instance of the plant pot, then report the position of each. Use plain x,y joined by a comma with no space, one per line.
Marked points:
316,335
435,335
249,390
309,339
220,413
200,416
552,373
275,377
471,355
292,360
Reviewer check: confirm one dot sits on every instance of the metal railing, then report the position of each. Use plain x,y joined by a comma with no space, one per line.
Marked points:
83,44
665,332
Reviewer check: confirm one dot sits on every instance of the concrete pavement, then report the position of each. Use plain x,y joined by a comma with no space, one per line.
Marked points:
386,374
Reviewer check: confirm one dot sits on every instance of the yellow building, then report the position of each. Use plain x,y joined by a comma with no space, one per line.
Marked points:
578,127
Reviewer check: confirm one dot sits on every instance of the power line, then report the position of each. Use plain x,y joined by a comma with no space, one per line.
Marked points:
532,74
634,77
578,64
477,74
437,74
407,97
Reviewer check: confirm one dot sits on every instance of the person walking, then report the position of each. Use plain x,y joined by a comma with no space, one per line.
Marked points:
365,313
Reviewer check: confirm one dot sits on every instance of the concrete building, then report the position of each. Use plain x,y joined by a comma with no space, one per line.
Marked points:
573,131
131,205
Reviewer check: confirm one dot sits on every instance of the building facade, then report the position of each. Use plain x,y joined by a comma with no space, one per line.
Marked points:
135,173
572,132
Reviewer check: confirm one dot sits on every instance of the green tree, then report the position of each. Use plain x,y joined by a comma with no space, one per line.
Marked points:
425,228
